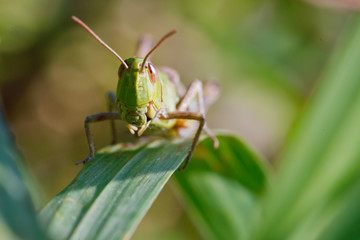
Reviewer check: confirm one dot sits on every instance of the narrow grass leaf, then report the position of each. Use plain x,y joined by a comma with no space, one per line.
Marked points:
17,213
221,188
317,189
112,193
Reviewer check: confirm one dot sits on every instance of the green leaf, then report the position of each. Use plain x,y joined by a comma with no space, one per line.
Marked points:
112,193
317,191
17,214
221,188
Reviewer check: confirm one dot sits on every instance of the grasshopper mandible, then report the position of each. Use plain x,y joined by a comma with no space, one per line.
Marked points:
147,97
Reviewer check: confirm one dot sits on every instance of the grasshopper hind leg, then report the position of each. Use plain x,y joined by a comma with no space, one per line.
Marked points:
174,78
196,89
211,94
184,111
145,43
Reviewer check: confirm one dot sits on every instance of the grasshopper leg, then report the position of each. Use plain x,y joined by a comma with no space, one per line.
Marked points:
196,89
191,116
96,118
111,108
144,45
174,78
211,91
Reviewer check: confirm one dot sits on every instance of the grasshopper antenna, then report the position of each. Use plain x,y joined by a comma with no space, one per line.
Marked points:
99,39
153,49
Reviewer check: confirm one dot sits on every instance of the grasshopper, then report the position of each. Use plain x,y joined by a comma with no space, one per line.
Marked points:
147,97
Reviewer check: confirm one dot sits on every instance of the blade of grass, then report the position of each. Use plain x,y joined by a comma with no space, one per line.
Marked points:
319,169
113,191
221,188
17,214
219,207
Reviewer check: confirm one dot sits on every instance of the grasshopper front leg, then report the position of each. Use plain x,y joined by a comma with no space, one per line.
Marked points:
190,116
96,118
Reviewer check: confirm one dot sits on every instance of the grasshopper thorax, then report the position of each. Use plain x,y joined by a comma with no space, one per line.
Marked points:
136,92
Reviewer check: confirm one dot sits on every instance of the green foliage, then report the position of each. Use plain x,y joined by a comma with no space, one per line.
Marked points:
17,214
113,191
222,188
316,190
313,191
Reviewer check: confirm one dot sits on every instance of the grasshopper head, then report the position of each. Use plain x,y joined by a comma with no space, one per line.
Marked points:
136,91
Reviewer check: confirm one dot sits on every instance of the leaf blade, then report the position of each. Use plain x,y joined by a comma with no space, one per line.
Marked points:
114,209
223,203
320,164
17,213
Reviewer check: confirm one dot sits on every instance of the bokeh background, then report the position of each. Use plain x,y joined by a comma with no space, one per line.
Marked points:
266,55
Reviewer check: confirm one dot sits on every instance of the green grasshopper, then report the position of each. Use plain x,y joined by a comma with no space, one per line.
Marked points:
146,97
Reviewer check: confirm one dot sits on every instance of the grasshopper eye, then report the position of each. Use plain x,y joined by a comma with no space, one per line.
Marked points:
152,73
121,70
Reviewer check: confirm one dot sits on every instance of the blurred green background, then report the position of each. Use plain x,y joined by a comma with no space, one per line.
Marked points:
266,56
